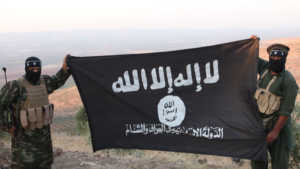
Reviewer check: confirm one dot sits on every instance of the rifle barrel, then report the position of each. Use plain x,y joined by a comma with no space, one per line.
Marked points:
4,70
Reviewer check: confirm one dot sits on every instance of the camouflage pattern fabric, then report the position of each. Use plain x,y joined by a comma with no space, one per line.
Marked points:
30,148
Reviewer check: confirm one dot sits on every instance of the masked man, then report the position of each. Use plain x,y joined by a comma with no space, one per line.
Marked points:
276,96
26,113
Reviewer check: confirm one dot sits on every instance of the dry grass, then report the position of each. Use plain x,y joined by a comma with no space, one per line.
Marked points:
78,148
67,101
69,142
140,159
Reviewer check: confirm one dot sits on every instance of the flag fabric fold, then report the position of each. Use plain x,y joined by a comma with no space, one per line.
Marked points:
194,100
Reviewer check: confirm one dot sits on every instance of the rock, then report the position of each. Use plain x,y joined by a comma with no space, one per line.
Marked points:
238,161
57,152
202,161
87,163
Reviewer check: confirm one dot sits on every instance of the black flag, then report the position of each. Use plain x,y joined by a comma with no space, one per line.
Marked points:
195,100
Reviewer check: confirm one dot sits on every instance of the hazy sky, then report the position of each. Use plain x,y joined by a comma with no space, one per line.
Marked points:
42,15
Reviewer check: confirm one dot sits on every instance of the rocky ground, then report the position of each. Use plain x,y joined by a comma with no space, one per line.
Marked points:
132,160
72,151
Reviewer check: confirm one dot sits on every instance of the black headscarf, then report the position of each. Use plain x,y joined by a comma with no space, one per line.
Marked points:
277,65
31,76
281,51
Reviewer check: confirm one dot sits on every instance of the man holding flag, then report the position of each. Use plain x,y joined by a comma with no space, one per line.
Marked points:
25,112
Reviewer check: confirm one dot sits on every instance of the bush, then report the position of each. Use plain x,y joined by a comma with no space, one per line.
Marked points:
82,124
4,136
295,154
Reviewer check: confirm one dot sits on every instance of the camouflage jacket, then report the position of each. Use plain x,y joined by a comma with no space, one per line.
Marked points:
27,145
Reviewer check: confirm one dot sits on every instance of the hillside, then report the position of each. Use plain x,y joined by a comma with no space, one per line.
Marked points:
68,100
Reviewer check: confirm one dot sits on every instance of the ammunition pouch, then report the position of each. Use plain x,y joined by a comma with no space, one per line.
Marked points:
37,117
267,102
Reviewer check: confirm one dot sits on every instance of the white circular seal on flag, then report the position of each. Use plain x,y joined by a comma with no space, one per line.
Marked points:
171,111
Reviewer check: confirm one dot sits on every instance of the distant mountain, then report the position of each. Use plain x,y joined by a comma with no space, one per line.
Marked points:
51,47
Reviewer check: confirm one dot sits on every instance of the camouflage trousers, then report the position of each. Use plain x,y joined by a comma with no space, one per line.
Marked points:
24,167
31,166
19,163
39,165
32,149
24,159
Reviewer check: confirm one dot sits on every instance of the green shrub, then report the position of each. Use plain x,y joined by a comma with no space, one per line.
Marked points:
4,136
82,124
295,154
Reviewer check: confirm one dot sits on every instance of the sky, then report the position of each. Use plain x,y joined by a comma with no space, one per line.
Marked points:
56,15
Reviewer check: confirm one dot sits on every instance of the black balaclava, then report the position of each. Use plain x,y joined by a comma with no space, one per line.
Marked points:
277,65
33,77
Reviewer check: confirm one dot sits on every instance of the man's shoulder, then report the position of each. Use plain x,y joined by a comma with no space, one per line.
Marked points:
289,76
13,84
289,79
45,77
11,89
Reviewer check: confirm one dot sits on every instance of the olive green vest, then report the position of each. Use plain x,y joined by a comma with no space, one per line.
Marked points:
36,111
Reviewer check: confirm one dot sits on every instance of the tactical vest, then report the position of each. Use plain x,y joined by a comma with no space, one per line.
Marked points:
267,102
36,111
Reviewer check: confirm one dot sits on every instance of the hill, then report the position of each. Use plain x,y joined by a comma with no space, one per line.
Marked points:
68,100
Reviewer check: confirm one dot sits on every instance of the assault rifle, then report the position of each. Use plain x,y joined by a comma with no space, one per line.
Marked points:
9,120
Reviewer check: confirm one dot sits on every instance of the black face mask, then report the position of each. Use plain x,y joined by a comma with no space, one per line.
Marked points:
277,65
33,77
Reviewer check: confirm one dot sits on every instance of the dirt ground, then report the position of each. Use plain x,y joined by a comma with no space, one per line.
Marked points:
135,159
72,151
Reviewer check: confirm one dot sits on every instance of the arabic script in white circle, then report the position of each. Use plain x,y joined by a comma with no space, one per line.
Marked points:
171,111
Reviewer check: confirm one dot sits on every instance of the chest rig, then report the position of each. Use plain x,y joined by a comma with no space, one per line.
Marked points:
267,102
36,112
